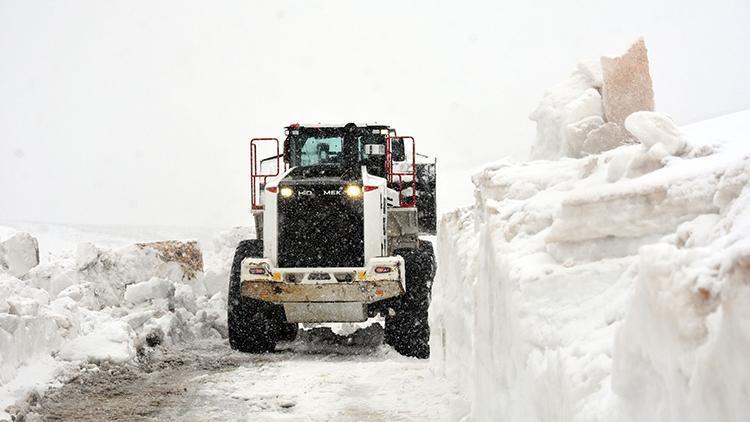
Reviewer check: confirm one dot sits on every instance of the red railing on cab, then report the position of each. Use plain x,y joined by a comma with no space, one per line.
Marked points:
258,177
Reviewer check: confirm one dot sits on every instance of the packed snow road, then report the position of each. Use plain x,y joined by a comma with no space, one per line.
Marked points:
319,377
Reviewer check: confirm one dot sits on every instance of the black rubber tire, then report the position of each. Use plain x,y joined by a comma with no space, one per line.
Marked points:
288,331
254,325
408,332
427,248
408,329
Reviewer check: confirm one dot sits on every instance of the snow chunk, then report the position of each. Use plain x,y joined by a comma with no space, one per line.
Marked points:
604,138
86,255
215,280
656,131
218,256
592,70
568,102
187,254
578,132
108,271
155,288
19,254
110,341
83,294
185,298
586,105
23,306
28,331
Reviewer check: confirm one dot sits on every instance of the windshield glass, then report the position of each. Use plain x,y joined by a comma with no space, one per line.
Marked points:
321,150
334,146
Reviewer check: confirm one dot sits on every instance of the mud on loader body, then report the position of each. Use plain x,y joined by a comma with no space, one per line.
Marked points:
338,213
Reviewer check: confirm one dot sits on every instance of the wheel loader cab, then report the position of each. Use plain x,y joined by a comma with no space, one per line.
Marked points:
339,239
349,146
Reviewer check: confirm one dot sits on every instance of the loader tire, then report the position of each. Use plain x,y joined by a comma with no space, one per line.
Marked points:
407,330
254,325
288,331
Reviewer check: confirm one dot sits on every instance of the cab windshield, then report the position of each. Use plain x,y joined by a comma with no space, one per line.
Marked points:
321,150
336,147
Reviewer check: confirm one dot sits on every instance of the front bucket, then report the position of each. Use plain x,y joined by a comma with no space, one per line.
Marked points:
325,312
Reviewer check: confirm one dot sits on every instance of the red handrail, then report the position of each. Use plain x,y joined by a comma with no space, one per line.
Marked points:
256,177
390,173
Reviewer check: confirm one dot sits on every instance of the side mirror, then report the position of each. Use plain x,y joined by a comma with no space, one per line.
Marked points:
397,149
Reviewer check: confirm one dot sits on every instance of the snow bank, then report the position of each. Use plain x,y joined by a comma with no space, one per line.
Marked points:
681,353
611,287
102,304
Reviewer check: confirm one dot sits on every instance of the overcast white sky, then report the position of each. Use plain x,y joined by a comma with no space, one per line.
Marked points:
139,112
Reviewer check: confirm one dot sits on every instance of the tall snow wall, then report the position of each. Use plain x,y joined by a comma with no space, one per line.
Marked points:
611,287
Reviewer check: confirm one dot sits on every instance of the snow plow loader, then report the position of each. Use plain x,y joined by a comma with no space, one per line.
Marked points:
338,212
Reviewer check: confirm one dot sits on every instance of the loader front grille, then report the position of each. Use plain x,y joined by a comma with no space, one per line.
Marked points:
317,229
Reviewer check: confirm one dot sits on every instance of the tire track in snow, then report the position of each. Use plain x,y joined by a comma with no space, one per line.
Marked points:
313,379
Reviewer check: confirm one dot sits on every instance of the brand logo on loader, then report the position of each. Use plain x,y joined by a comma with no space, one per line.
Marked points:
331,192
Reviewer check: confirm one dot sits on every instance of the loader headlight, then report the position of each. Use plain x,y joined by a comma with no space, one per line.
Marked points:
353,191
286,192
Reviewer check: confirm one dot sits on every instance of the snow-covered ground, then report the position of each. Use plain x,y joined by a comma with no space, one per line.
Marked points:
341,387
206,381
611,287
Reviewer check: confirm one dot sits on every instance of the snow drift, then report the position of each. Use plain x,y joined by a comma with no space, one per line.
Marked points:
610,287
101,304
